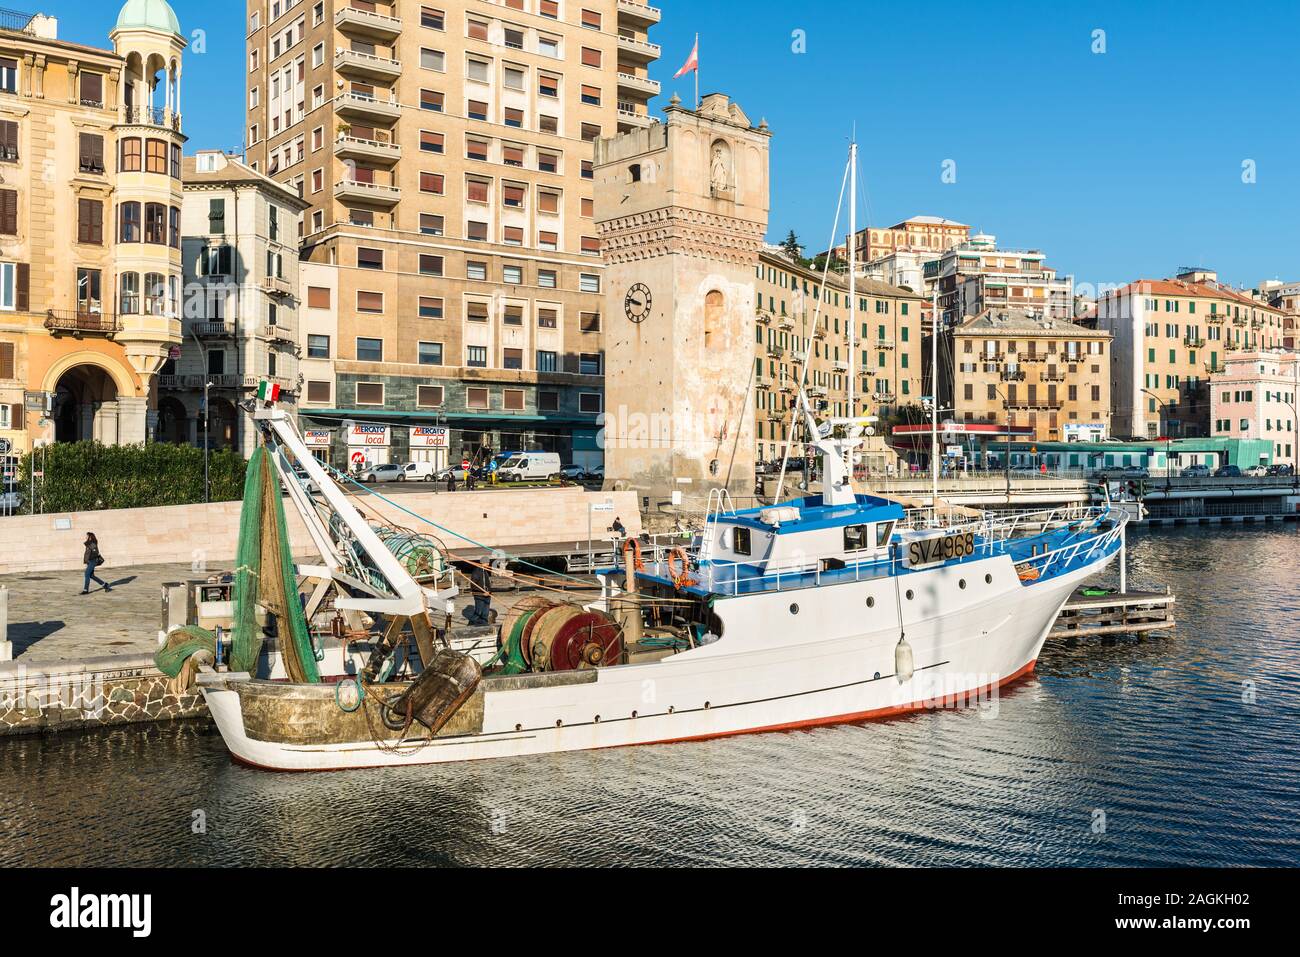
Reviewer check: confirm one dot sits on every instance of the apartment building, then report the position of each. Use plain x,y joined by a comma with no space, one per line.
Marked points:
1254,397
796,313
920,234
446,152
976,276
1286,297
1014,367
1170,335
239,242
90,205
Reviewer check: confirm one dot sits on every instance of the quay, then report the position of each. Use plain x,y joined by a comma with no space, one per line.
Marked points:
1088,615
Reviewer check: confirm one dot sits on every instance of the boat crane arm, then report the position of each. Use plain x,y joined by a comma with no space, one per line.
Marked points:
407,597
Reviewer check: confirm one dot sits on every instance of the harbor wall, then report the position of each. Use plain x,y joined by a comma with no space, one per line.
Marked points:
91,693
204,534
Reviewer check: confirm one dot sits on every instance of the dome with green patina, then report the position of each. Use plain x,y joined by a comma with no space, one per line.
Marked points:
148,15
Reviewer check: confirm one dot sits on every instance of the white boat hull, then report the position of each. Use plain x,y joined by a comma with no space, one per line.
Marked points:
788,659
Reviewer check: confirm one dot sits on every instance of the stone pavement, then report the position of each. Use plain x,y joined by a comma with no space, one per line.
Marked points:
50,620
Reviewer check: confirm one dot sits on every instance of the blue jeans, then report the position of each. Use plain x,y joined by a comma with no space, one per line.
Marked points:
91,576
478,614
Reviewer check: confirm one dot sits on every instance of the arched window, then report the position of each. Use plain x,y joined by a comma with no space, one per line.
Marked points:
128,220
129,301
130,156
714,303
155,294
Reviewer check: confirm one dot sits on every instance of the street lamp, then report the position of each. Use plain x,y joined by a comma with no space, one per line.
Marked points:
1161,405
207,413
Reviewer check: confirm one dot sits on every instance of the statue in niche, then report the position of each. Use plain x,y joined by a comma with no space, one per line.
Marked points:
719,177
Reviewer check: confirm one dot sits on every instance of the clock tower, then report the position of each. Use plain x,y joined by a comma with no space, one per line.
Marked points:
682,211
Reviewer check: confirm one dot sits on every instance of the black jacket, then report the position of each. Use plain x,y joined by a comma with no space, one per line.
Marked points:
91,555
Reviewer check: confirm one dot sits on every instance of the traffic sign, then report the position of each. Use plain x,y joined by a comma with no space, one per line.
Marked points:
6,446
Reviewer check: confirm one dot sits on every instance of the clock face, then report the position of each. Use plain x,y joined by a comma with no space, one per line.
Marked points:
638,302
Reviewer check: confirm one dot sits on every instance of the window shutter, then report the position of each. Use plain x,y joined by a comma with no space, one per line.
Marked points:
9,212
23,298
6,360
18,417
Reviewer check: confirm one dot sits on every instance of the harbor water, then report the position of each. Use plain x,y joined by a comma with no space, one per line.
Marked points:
1173,748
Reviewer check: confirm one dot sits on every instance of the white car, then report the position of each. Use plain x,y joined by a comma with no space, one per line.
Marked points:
378,474
1257,471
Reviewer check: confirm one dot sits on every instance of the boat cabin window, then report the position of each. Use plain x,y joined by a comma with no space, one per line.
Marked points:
856,537
884,532
740,543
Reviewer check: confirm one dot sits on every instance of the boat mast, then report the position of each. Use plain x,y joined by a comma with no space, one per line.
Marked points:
853,280
934,403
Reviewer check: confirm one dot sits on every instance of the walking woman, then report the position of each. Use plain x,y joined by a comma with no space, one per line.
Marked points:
92,560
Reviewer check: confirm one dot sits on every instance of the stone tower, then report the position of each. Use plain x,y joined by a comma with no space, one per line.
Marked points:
682,211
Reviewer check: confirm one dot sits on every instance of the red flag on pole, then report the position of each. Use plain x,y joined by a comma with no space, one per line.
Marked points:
692,62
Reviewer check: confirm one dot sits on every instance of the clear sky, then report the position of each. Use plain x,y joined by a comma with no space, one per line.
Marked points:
1120,164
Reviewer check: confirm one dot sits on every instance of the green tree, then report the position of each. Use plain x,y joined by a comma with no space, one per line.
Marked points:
792,247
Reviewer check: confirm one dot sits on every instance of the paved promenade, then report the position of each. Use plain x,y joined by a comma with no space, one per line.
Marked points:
50,620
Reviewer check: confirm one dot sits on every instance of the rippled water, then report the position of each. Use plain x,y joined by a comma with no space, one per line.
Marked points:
1151,731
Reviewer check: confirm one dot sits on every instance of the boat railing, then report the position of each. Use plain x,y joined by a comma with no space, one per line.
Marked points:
1047,563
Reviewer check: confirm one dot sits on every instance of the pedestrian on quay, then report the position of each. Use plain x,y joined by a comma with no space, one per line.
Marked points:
451,480
92,560
470,481
619,529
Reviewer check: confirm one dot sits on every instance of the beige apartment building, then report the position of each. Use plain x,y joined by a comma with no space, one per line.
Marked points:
90,204
446,152
976,276
887,352
920,234
1170,336
1020,368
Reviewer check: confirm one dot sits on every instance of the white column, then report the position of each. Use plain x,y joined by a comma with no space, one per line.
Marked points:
6,646
132,421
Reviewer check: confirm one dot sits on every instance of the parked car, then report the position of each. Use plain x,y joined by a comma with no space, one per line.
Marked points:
1228,471
420,472
529,467
1257,471
455,470
573,473
306,481
1282,469
378,474
1196,471
9,499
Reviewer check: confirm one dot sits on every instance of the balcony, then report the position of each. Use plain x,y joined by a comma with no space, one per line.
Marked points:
360,106
374,151
776,352
151,116
1032,403
275,286
214,330
840,366
82,322
1033,357
1053,374
633,118
886,344
784,321
638,85
367,65
1193,342
762,318
1239,320
819,332
1012,375
634,49
884,398
1217,318
816,392
362,23
372,193
277,334
641,14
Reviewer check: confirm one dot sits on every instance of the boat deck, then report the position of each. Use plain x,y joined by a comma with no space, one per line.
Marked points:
1133,612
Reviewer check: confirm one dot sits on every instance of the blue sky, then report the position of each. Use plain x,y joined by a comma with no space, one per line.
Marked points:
1120,165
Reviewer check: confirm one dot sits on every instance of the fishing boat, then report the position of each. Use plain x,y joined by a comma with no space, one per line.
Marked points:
821,609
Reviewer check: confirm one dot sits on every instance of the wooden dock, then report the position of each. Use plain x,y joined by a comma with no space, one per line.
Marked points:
1114,614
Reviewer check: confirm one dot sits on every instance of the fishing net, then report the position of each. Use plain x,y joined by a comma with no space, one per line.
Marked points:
264,576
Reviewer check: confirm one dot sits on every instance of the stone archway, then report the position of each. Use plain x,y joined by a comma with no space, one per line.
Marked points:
173,422
86,406
223,424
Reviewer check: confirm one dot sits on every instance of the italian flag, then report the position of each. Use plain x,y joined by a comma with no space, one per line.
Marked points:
267,392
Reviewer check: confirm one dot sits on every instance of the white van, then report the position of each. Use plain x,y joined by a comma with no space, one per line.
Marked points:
530,467
421,471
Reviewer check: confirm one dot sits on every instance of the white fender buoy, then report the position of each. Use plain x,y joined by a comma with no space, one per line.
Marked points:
903,667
